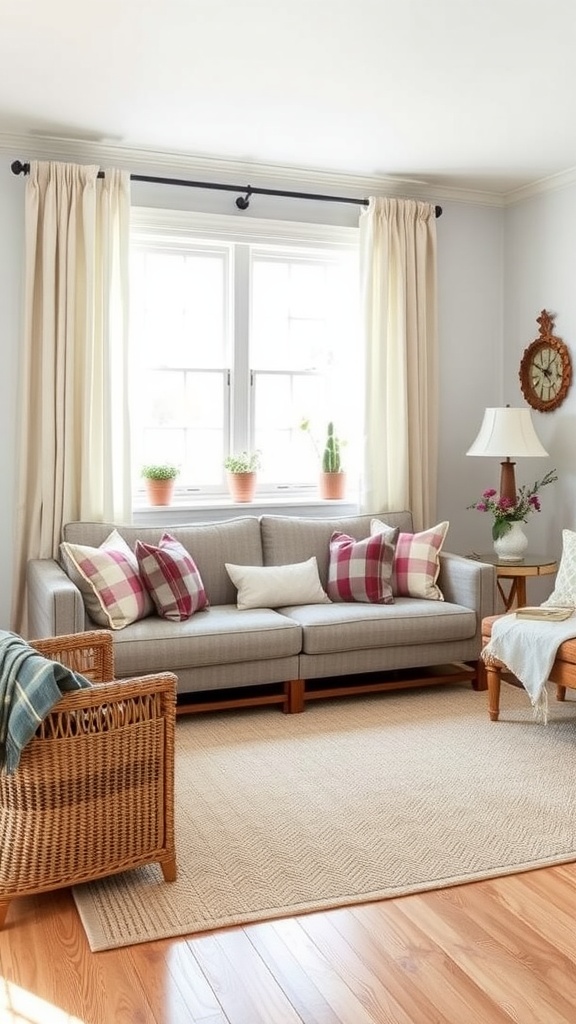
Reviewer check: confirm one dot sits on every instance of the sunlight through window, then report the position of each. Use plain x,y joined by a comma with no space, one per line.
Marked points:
17,1006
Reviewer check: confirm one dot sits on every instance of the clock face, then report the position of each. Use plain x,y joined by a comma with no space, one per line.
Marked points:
545,369
546,373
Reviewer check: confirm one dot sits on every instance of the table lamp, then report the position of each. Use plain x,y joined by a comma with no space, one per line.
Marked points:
507,434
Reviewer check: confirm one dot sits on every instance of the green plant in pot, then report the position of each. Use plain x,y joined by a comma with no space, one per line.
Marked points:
159,478
332,483
242,468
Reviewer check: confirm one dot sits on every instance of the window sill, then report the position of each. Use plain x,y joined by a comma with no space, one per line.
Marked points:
210,510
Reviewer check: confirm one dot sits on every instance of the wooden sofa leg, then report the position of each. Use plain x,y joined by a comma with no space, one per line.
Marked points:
493,676
4,904
294,702
560,692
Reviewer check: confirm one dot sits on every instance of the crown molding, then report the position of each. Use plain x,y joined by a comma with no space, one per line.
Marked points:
552,183
178,164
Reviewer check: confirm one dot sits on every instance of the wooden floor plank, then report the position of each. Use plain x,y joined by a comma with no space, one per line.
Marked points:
243,984
368,968
493,952
426,981
296,983
330,980
507,971
175,986
43,949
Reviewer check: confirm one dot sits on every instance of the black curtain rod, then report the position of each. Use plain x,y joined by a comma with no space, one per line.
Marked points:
242,202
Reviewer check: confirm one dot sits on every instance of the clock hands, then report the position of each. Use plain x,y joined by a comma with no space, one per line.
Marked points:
545,369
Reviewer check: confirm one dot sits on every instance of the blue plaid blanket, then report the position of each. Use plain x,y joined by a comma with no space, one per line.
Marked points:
30,686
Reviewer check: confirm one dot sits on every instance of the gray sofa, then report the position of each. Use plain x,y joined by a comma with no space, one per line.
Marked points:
223,655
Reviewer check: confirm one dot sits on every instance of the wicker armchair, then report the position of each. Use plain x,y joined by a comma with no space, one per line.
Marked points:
94,791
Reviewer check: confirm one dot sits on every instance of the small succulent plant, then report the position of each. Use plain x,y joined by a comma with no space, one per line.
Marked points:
331,461
330,453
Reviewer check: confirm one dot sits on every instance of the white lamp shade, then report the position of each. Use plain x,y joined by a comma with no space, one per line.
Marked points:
507,433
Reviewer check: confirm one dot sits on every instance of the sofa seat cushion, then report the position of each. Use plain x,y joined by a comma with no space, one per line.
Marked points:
327,629
219,635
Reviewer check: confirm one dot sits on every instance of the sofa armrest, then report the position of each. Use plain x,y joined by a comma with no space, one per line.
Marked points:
55,604
469,583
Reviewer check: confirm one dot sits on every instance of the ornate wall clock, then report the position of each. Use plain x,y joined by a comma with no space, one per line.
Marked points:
545,368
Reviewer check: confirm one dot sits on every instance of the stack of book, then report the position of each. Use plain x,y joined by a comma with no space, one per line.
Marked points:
548,614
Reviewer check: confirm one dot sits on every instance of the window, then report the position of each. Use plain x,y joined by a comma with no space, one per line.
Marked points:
238,333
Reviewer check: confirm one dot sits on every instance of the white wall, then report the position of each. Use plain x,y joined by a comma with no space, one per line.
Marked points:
470,321
540,273
470,328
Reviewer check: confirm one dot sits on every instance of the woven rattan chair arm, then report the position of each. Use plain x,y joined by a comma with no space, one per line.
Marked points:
113,706
120,690
91,652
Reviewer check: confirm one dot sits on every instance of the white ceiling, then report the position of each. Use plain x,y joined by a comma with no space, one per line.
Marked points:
475,94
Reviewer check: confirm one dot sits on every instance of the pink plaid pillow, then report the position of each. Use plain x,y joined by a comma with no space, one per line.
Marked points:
416,561
109,581
360,570
172,578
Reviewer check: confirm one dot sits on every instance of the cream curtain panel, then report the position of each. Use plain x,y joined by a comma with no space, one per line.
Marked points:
75,455
398,297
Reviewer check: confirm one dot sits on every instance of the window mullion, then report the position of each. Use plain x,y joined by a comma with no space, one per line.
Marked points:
241,413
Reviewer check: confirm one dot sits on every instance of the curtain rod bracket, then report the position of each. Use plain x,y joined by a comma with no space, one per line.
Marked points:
243,202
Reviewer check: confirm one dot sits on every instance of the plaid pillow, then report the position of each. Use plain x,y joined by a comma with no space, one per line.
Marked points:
360,570
416,561
172,578
109,581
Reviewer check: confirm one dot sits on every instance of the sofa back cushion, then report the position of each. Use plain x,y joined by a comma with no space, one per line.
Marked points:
287,539
210,545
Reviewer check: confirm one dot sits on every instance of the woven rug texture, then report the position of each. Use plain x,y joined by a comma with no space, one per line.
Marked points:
354,800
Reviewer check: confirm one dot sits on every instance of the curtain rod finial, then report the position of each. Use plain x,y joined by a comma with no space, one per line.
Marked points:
19,168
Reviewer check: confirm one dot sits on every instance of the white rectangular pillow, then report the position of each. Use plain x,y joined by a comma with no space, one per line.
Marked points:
275,586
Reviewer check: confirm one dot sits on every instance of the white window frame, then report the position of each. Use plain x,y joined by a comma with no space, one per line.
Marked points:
167,228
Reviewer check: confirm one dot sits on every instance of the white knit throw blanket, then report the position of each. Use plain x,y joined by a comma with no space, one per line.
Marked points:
528,648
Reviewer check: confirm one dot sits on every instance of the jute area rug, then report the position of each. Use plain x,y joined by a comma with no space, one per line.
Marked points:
357,799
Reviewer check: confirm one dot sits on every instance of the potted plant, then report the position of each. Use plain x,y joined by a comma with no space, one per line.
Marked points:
159,478
242,468
332,482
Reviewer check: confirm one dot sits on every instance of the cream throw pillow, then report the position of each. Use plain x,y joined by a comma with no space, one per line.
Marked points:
275,586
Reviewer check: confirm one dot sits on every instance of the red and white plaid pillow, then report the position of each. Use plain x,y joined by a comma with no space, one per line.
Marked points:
172,578
416,561
360,570
109,581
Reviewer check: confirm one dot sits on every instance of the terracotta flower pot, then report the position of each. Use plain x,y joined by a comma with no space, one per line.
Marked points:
242,486
332,486
160,492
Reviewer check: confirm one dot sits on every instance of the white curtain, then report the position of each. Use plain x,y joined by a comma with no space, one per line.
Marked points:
74,459
398,295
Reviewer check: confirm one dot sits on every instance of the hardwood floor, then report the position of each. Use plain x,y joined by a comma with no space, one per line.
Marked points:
492,952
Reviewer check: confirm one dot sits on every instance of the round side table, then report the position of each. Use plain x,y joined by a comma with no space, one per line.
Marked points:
517,573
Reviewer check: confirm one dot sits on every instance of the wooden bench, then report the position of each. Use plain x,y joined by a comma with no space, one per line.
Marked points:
563,671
